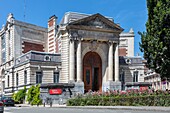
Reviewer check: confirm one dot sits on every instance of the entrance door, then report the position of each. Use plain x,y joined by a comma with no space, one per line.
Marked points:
95,81
92,72
88,78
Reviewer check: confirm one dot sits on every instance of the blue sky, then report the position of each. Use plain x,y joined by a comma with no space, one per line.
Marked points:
128,13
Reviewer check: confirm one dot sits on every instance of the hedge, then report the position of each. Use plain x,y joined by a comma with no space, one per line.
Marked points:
151,100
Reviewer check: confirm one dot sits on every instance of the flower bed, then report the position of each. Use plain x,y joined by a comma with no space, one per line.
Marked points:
118,98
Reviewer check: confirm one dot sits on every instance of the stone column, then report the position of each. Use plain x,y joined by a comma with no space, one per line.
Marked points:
110,61
72,62
116,55
79,62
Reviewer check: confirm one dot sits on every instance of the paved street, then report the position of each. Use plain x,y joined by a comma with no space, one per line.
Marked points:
69,110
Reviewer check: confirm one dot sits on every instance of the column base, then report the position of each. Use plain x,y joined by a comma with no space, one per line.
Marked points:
79,88
71,81
111,85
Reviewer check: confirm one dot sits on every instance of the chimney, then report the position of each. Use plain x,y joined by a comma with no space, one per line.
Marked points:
52,30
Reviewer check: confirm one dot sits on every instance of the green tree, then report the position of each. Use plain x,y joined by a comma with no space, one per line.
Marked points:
36,98
30,94
33,95
155,42
20,95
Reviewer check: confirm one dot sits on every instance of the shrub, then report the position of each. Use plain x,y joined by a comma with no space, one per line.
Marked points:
129,98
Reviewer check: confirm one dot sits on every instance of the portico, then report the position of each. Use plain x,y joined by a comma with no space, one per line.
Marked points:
93,53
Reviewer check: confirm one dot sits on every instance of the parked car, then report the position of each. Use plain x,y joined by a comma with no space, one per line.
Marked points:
1,107
7,101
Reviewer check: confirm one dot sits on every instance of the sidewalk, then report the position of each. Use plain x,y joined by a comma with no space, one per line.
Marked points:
138,108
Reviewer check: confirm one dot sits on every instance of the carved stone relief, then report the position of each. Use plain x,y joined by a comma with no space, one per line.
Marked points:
93,46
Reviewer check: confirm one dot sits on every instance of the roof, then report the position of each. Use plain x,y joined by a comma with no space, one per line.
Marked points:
97,20
73,16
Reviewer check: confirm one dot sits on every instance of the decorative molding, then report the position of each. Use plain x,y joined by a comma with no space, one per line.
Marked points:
94,45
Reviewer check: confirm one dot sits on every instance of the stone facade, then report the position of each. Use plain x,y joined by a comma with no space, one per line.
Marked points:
131,70
126,44
26,69
156,81
83,48
17,38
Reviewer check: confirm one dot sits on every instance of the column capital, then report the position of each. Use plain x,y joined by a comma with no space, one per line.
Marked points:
115,42
110,42
71,40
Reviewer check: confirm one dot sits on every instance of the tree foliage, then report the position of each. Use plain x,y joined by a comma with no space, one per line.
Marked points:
30,94
155,42
20,95
33,95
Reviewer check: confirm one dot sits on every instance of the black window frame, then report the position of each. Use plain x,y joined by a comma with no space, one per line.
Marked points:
39,76
135,76
56,77
17,79
25,77
8,81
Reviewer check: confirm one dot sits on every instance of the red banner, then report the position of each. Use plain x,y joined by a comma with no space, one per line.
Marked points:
143,87
55,91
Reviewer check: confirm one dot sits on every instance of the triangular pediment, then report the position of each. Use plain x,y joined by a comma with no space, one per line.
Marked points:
96,21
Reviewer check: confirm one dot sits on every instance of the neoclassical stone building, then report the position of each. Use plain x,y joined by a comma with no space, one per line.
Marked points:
90,51
24,57
83,49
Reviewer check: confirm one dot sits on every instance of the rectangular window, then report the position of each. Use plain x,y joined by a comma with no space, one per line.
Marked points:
56,77
3,85
3,41
122,76
8,81
3,47
25,77
16,79
135,76
3,56
9,51
38,77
